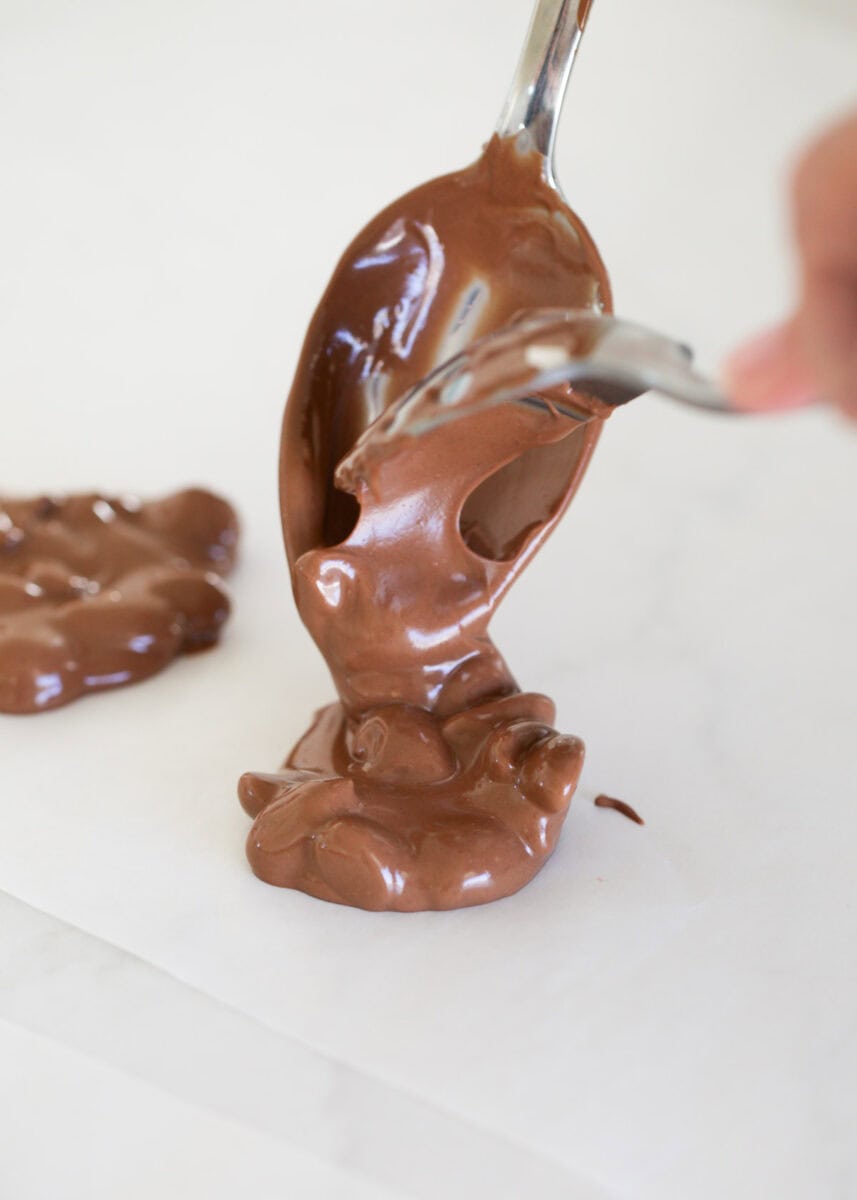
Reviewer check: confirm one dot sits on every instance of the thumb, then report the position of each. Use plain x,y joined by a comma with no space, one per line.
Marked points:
770,372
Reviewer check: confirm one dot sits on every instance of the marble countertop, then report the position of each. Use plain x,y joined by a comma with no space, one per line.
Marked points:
668,1011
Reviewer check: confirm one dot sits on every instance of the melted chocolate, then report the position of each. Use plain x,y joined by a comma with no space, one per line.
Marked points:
96,592
434,782
620,806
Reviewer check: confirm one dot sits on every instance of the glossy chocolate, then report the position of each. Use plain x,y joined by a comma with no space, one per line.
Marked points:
98,591
433,782
619,806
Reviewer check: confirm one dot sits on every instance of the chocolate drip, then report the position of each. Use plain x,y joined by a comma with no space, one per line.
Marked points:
620,806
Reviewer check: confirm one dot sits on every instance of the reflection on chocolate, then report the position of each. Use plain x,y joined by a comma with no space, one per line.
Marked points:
96,591
620,806
433,782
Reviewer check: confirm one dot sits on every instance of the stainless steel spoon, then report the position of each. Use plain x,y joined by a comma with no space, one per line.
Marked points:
624,356
605,357
538,88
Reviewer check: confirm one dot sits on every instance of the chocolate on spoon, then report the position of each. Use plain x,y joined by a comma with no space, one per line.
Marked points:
434,781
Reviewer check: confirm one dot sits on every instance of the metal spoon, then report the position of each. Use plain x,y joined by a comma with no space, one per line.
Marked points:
539,85
623,357
421,283
609,362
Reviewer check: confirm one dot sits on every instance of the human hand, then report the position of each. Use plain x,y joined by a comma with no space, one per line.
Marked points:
814,354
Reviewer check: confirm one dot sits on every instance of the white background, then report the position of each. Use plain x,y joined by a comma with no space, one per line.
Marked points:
667,1011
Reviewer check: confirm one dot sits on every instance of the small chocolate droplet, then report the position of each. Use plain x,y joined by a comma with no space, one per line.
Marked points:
620,806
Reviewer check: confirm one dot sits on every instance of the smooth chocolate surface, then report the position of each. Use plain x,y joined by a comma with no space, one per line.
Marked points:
434,782
99,591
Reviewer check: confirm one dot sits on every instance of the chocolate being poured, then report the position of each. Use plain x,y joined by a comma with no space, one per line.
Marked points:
434,782
96,592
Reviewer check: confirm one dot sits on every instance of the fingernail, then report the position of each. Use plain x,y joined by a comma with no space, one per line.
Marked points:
768,373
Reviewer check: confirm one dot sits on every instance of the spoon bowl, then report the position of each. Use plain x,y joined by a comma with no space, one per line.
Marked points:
448,263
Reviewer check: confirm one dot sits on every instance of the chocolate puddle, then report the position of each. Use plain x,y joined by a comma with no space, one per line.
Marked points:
434,782
96,592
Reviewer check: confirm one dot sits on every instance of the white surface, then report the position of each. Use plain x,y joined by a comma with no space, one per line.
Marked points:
105,1134
843,10
667,1011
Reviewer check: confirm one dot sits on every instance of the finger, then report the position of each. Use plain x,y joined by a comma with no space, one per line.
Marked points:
828,333
770,372
825,213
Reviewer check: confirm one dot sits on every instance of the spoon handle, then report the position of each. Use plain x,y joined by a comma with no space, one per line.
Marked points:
538,88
